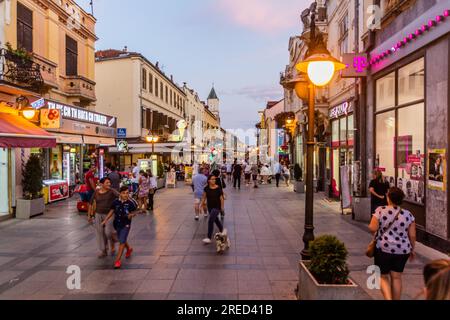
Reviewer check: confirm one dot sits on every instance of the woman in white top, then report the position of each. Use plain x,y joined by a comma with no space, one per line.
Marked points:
153,186
265,173
286,175
395,231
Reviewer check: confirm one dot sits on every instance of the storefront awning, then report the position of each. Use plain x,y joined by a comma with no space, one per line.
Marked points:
68,139
16,132
101,141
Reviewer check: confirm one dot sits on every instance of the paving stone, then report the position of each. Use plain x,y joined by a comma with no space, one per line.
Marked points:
155,286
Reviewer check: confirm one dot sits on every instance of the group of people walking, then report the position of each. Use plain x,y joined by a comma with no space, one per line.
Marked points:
112,208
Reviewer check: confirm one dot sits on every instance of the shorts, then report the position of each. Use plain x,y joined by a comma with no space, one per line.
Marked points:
247,176
123,233
197,201
255,177
388,262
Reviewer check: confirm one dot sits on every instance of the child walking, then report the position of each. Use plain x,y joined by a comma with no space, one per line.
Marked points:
123,210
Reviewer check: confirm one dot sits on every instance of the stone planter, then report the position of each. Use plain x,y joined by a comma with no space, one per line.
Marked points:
299,186
26,209
361,209
161,183
310,289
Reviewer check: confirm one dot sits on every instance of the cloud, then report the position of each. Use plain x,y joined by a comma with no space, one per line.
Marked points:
265,16
261,93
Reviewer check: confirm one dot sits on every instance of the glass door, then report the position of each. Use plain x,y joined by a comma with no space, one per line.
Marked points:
4,202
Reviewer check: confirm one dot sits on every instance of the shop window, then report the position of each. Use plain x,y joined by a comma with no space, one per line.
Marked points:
343,131
351,131
386,92
385,143
335,133
411,82
24,28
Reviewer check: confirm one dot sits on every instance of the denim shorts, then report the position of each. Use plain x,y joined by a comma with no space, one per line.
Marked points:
122,234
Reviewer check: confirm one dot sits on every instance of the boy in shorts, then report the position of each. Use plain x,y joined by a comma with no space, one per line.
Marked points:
123,210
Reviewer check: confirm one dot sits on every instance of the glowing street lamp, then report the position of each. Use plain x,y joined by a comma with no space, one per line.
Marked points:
320,67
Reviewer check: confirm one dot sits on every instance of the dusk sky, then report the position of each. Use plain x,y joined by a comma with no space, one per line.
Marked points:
239,45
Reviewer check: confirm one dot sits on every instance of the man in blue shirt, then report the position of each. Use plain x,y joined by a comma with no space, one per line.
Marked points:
123,210
278,169
199,183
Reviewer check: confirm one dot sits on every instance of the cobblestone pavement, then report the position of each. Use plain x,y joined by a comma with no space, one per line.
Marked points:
170,262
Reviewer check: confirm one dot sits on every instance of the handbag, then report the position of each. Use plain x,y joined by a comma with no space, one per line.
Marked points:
371,248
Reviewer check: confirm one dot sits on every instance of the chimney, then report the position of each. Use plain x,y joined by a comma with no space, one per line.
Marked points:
157,64
171,78
125,49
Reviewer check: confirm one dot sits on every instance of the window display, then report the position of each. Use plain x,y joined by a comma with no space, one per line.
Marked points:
386,92
400,133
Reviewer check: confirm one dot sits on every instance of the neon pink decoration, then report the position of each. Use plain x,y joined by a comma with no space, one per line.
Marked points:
360,63
439,18
446,13
431,23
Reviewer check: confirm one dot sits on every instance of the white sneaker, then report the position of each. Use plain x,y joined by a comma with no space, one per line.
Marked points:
207,241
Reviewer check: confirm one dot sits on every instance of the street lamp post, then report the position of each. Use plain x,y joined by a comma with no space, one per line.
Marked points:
320,67
152,139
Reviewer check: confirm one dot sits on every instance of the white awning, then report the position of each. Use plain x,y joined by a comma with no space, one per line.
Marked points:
68,138
99,141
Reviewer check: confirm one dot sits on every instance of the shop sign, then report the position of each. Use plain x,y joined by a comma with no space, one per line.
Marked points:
122,146
341,110
50,119
38,104
357,65
79,114
121,133
58,191
88,129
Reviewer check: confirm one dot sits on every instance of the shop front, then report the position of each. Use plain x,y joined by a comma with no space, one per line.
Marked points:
408,100
341,151
83,138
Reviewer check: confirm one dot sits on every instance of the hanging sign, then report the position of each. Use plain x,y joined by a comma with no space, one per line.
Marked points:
357,65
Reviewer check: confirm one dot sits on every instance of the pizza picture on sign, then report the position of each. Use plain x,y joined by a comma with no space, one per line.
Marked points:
50,119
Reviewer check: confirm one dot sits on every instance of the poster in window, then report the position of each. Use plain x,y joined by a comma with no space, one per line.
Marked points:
404,150
437,166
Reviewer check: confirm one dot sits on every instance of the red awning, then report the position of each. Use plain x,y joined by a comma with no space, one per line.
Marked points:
16,132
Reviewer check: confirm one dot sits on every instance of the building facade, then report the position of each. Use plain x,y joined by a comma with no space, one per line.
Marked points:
47,63
145,101
408,100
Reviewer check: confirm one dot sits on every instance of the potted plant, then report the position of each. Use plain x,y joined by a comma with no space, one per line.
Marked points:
299,185
19,56
326,275
32,203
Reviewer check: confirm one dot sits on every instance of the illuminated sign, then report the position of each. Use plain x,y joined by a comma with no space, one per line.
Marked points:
357,65
341,110
70,112
50,119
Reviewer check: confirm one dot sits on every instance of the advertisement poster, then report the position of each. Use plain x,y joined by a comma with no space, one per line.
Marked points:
188,173
171,179
50,119
345,188
58,191
56,163
437,169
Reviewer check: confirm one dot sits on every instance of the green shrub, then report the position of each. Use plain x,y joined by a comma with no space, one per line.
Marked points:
160,170
32,178
329,260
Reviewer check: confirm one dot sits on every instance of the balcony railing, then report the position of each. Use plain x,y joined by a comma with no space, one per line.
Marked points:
78,86
48,70
20,71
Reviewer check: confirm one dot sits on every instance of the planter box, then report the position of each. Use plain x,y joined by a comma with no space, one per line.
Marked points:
299,186
26,209
310,289
361,209
161,183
